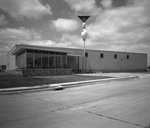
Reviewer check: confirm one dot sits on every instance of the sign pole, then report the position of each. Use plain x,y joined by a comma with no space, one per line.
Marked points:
84,35
84,58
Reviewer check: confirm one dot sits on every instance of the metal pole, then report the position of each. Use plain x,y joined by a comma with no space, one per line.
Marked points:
84,57
84,34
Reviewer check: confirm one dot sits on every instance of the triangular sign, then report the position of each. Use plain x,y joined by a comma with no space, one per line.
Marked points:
83,18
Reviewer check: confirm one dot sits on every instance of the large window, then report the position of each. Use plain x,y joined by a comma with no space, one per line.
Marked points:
45,59
52,61
57,61
38,59
63,60
45,63
30,56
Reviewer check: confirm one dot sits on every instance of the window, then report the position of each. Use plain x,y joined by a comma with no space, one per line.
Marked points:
52,61
63,61
101,55
30,54
86,54
38,59
57,62
45,59
115,56
127,57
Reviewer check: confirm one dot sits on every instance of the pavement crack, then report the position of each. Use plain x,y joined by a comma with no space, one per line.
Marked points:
112,118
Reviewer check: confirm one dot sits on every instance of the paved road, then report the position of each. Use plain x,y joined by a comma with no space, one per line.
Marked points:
118,104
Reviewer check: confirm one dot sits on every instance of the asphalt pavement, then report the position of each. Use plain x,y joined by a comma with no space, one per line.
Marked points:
114,104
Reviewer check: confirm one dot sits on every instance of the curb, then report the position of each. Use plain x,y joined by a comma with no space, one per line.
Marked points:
61,85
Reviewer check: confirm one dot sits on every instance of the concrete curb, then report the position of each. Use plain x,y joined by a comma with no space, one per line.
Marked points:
64,85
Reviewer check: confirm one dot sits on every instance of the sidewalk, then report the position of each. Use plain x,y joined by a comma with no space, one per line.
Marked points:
59,86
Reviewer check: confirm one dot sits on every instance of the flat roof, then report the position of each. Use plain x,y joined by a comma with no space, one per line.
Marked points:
97,50
22,47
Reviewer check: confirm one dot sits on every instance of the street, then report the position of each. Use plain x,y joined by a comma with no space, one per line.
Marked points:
115,104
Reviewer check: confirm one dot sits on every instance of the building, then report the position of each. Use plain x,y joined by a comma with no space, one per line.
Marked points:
40,60
11,59
2,68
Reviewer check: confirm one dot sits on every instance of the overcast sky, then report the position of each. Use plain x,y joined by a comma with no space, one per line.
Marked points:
116,25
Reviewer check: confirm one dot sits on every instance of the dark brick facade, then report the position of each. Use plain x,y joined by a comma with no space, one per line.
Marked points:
44,72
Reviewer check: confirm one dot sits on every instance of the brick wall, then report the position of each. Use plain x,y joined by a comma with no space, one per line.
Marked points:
45,72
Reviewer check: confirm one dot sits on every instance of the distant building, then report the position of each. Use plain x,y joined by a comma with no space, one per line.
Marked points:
2,68
40,60
3,58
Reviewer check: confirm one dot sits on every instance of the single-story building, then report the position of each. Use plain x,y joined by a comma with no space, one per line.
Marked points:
41,60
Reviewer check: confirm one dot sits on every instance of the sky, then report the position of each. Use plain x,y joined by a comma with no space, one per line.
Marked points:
114,25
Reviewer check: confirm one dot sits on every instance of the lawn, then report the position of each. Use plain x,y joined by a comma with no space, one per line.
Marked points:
11,80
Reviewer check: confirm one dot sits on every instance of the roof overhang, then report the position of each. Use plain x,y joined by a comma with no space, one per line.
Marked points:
22,47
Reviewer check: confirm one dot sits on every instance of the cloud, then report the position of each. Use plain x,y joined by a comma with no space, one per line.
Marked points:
82,6
3,20
49,43
39,42
64,24
66,40
17,34
125,28
25,8
106,3
71,40
11,36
